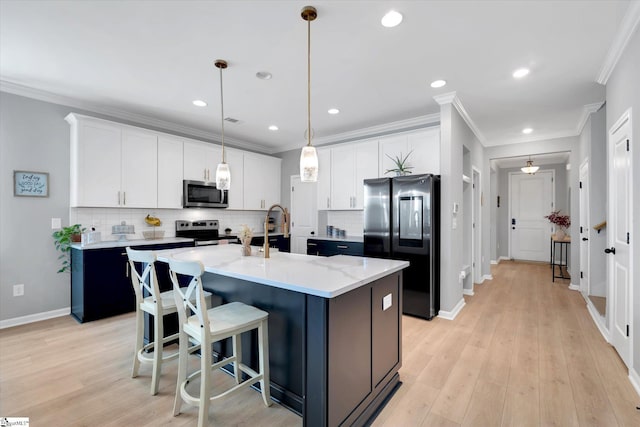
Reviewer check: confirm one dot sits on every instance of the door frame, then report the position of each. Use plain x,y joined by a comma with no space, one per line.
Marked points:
585,219
553,200
476,229
625,117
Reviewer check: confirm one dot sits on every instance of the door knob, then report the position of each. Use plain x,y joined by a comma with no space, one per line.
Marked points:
584,239
610,251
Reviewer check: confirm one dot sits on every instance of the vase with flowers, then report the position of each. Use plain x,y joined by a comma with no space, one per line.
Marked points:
245,236
562,222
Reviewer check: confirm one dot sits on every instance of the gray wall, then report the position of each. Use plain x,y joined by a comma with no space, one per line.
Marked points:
290,166
503,222
33,137
623,92
493,204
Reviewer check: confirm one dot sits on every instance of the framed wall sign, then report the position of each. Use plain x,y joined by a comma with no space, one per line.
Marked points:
30,184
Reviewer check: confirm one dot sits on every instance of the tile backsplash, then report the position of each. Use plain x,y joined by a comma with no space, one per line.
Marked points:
104,218
351,221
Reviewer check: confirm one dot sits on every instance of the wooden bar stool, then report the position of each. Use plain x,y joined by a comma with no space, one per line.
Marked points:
158,304
208,326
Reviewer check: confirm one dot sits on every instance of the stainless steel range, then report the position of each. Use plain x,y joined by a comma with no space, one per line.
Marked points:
204,232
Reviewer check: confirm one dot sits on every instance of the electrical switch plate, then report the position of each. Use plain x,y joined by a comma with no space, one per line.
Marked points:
18,290
56,223
386,302
454,223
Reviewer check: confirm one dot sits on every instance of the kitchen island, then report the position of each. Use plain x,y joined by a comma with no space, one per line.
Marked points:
334,326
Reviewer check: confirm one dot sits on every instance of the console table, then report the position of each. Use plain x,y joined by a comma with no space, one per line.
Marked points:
563,246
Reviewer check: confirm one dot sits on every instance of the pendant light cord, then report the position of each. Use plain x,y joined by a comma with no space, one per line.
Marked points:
222,113
309,82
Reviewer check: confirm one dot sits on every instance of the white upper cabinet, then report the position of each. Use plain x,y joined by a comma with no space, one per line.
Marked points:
422,148
350,165
261,181
425,147
170,165
201,160
112,165
139,168
324,179
235,160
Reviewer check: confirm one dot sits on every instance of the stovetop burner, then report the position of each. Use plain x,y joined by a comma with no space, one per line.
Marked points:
204,232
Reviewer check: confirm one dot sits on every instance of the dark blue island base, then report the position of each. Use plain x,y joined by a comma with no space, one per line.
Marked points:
334,361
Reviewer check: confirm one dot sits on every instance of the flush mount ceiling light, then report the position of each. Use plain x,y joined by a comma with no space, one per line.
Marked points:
438,83
199,103
264,75
309,156
527,131
273,127
333,111
391,19
529,168
520,73
223,175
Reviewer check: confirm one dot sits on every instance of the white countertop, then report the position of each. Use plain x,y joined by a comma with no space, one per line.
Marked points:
123,243
325,277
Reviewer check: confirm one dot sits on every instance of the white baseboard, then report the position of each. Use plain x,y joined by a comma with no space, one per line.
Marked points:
494,262
23,320
468,292
573,287
504,258
597,319
450,315
634,378
487,277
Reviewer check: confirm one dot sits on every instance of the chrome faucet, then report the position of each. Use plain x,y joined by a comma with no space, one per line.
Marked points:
285,227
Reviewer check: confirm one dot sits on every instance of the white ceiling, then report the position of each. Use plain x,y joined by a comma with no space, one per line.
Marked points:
152,58
538,160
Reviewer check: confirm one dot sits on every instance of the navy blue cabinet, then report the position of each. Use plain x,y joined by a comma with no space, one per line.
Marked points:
101,281
332,247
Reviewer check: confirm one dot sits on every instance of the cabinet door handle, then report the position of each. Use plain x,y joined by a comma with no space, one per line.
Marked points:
343,247
118,198
124,198
328,203
312,244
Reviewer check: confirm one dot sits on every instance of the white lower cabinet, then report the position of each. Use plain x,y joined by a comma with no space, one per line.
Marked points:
170,172
261,181
112,165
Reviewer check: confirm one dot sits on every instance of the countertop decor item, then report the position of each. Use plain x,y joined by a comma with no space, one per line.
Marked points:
245,236
63,239
401,166
308,155
122,230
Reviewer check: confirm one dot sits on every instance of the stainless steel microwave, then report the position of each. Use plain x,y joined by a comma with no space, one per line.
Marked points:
200,194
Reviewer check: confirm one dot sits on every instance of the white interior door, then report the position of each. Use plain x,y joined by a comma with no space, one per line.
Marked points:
476,227
531,197
304,217
619,226
584,227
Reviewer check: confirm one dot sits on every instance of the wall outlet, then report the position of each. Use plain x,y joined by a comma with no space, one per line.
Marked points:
18,290
56,223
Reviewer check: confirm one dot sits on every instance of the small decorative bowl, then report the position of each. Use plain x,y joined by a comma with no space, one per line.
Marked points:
153,234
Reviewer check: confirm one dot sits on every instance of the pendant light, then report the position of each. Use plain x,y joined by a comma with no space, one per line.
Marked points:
530,169
309,156
223,175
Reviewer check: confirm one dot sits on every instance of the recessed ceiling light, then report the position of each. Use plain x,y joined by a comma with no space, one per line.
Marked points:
520,73
391,19
333,111
199,103
263,75
273,127
438,83
527,131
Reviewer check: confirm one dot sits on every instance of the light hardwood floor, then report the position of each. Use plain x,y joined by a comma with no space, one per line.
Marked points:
523,351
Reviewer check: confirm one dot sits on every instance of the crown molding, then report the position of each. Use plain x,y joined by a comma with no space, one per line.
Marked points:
626,29
451,98
587,110
369,132
163,125
542,137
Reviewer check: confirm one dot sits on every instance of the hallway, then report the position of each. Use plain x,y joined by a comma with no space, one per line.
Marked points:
523,352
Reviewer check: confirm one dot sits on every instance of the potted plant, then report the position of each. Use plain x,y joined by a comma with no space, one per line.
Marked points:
227,231
62,239
562,222
400,162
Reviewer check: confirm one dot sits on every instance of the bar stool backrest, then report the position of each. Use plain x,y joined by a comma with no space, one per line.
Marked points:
184,295
146,279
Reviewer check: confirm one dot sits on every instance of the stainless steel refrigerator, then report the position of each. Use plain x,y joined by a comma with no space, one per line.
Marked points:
402,221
